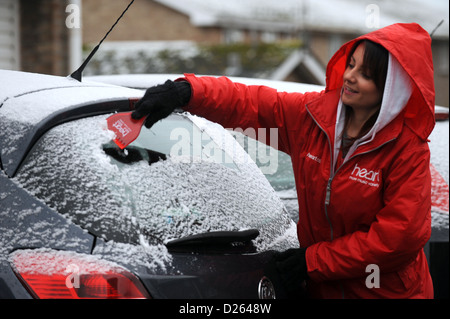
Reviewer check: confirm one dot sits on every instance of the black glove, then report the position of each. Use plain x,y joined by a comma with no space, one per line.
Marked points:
160,101
288,270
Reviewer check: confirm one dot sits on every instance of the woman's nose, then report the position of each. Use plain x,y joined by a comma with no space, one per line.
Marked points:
349,75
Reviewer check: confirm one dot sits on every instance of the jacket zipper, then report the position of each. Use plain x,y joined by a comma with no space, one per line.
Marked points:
327,202
328,194
328,190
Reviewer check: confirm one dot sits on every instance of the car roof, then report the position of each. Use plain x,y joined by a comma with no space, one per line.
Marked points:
31,103
17,84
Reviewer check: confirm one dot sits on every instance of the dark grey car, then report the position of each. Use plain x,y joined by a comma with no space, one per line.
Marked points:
183,212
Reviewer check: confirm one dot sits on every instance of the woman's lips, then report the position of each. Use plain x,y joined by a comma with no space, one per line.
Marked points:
349,91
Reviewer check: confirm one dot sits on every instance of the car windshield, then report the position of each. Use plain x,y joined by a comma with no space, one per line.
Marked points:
173,181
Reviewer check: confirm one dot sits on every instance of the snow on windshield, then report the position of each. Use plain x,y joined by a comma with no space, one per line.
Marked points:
70,171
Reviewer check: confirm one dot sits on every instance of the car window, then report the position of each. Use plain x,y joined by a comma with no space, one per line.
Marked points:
276,165
181,138
164,186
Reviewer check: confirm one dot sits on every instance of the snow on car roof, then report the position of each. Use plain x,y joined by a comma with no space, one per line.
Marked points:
16,83
22,91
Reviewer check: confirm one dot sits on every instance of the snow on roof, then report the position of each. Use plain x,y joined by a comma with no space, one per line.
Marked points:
346,16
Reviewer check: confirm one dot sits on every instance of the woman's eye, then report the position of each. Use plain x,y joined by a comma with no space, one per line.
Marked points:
366,76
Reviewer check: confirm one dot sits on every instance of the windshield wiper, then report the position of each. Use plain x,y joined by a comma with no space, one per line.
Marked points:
219,241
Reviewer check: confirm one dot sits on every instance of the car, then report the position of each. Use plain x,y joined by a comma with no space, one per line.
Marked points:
282,178
182,212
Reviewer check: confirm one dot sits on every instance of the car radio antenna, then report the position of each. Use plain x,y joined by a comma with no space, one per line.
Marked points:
437,27
77,75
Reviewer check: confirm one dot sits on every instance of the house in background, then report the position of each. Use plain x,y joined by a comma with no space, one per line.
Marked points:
320,26
34,35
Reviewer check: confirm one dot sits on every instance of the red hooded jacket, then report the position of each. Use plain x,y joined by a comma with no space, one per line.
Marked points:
365,220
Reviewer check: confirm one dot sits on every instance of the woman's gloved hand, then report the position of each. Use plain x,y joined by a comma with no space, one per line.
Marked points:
160,101
288,269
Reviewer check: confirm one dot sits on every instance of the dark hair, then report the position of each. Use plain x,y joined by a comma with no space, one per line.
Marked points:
375,61
375,65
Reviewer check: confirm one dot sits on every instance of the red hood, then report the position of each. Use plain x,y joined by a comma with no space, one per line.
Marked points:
411,46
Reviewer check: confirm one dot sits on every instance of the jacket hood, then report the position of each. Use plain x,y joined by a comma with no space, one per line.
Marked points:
410,79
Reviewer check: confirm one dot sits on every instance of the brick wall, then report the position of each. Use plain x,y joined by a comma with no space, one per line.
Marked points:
44,37
146,20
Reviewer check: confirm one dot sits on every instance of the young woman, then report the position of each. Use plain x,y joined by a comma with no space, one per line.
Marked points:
360,157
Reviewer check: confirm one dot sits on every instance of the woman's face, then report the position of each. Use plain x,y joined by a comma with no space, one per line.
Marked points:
359,90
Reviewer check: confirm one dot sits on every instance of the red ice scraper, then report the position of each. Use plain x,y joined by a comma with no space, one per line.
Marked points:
125,127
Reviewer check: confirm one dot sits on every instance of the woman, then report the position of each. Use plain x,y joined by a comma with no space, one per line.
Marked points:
360,157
